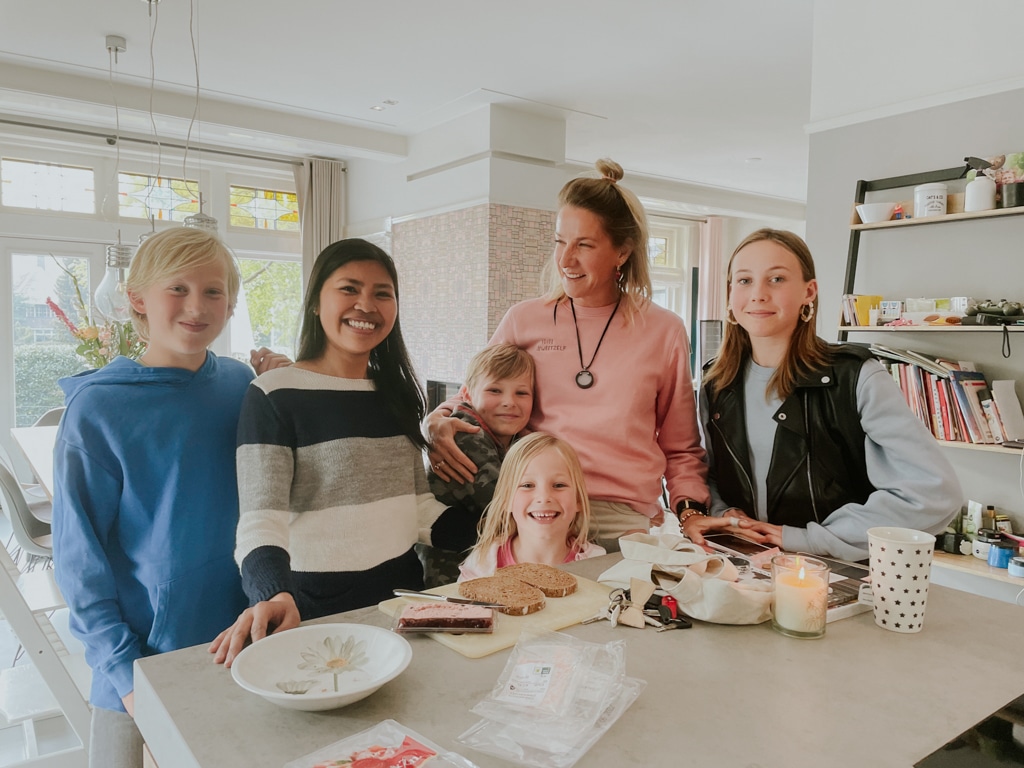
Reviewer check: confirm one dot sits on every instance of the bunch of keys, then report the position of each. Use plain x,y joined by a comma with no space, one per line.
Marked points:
624,607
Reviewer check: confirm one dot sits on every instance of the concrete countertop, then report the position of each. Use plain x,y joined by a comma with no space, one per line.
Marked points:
723,696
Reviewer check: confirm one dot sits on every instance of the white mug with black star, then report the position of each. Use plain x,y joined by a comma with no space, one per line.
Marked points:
900,565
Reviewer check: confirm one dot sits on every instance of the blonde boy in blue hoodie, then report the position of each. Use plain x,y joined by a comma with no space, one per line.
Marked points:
146,500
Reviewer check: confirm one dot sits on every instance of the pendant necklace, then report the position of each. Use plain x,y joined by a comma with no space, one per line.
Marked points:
585,379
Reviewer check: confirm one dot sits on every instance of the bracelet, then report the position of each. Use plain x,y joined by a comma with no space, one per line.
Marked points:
689,513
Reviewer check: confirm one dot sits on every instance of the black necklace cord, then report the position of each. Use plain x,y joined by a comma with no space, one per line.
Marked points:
585,379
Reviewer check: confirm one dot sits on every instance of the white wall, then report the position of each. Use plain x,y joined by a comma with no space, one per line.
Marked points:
876,58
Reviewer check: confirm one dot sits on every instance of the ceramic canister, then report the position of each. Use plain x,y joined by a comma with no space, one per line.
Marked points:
930,200
984,539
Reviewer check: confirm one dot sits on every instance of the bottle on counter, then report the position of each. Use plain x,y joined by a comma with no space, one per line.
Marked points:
980,194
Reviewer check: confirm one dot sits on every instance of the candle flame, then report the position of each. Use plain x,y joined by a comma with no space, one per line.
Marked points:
801,574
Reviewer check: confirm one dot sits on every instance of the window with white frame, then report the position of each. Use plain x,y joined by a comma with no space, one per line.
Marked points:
47,186
43,316
36,347
672,248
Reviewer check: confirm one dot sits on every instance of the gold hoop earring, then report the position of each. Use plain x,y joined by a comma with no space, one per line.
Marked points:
807,315
730,318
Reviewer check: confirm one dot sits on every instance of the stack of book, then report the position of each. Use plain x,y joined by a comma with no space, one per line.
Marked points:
857,308
953,398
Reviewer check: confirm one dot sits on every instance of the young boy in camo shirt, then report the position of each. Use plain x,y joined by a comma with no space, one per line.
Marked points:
499,400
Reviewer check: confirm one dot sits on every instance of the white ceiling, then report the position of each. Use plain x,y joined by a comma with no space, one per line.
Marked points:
702,91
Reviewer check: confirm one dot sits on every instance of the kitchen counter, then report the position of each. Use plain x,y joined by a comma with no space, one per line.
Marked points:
722,696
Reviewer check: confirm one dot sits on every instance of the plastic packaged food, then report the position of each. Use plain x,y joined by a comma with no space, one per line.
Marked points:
388,744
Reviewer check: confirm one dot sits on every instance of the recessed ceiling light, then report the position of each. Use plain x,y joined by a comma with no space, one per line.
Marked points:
390,102
376,108
753,159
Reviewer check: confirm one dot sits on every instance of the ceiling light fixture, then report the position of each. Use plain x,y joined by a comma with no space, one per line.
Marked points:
377,108
390,102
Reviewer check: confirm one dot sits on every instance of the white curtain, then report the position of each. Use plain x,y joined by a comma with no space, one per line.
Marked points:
320,189
711,291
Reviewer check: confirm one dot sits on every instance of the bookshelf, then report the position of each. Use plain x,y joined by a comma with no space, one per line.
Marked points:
930,328
967,256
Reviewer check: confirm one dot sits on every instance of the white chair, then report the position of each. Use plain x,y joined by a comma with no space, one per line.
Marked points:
31,534
51,418
26,602
35,495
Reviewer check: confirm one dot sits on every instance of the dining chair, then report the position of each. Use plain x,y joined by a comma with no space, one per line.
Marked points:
35,495
31,534
51,418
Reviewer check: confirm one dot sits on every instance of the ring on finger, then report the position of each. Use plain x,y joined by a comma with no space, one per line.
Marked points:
734,522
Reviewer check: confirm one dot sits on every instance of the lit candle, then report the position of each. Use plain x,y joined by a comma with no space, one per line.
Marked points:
801,595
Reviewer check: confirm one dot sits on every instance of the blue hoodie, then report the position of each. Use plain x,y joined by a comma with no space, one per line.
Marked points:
145,510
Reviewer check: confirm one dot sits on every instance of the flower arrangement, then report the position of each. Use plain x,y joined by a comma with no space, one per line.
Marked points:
98,343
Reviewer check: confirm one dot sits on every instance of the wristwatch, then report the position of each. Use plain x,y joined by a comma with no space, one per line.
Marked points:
690,505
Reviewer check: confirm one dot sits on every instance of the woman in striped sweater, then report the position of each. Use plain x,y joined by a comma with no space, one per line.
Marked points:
332,490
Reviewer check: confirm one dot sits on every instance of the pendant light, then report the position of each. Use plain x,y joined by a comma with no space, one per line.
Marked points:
198,220
111,295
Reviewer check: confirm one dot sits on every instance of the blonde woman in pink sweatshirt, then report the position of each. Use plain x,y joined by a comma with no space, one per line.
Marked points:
613,376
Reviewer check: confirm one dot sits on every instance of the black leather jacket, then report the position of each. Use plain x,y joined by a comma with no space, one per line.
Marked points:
818,461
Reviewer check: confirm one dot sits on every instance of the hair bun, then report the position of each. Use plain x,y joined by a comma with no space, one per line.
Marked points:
609,169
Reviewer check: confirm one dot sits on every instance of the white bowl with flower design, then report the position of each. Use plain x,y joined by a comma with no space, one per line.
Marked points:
321,666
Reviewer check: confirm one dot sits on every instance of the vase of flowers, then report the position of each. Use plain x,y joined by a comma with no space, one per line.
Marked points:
99,340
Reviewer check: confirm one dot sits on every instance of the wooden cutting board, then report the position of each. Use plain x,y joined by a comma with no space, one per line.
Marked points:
558,613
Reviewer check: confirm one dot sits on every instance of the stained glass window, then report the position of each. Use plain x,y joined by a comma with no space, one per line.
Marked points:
657,251
47,186
142,196
255,208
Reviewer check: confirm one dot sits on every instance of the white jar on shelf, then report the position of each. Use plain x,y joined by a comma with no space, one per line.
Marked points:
929,200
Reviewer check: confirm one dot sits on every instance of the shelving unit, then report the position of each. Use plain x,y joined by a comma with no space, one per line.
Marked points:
998,461
962,216
930,328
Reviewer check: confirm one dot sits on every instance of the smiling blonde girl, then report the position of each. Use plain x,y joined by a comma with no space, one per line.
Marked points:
540,512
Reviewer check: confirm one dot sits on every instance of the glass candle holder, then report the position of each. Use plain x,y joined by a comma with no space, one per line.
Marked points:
800,599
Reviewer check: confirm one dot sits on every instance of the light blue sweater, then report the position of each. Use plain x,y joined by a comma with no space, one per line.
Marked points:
144,512
915,485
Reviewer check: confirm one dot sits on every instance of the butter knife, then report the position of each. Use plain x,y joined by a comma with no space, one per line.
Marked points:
445,598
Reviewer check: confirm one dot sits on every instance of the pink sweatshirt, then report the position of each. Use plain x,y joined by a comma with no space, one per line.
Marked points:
639,419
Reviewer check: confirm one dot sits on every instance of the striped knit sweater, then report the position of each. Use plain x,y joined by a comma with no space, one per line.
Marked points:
332,496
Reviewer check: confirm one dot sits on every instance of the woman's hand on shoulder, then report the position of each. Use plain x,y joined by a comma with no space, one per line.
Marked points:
277,614
264,360
446,459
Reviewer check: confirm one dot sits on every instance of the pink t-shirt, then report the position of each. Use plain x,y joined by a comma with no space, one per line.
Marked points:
480,564
639,419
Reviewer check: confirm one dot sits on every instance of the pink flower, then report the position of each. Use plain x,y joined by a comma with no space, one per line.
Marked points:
60,314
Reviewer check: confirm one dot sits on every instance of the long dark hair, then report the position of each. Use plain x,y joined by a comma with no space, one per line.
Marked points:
390,367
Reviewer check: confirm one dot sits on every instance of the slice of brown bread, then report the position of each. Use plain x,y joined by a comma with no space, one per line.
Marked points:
518,597
549,580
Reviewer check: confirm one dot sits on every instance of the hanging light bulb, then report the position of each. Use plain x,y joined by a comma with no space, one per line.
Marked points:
152,219
111,296
200,220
